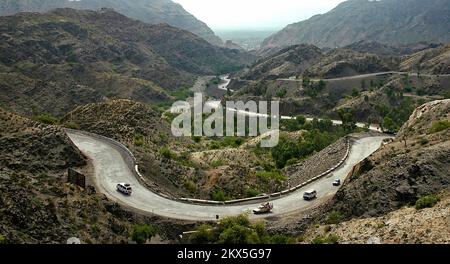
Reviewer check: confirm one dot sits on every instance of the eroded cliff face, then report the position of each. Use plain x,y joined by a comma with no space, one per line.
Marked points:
415,164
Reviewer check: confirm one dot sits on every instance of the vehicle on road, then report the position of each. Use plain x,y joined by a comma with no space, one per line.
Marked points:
310,195
124,188
337,182
263,208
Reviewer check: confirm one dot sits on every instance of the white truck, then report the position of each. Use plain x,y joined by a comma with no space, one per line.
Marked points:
124,188
310,195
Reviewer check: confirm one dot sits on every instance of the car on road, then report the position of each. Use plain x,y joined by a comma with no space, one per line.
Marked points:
263,208
337,182
310,195
124,188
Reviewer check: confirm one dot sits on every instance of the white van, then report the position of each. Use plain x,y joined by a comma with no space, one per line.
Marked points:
124,188
310,195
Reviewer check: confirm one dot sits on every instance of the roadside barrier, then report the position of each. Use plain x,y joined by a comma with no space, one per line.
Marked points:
134,167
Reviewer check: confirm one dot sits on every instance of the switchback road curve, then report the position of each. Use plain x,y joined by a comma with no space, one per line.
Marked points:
111,166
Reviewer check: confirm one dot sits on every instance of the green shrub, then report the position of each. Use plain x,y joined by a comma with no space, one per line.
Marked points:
334,218
141,234
190,186
427,202
2,240
440,126
204,235
331,239
139,140
251,192
72,125
282,240
217,163
237,230
424,141
47,119
167,153
219,196
275,175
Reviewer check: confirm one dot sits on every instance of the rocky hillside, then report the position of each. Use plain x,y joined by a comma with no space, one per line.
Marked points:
287,62
388,21
345,62
404,226
85,56
414,165
364,46
430,61
148,11
36,205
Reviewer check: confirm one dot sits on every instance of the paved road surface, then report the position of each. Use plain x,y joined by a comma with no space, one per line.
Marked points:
111,168
364,76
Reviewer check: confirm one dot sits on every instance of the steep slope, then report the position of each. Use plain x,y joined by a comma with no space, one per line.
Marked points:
344,62
414,165
36,205
287,62
149,11
404,226
364,46
430,61
81,57
387,21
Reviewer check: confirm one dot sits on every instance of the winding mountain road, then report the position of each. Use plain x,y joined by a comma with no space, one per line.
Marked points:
111,166
360,76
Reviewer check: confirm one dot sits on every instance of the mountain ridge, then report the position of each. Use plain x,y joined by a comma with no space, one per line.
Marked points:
387,22
148,11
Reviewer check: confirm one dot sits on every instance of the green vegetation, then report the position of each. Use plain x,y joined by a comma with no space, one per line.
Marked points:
331,239
348,120
440,126
227,142
237,230
139,140
427,202
274,175
313,89
334,218
190,186
182,94
217,163
394,116
72,125
167,153
251,192
2,240
141,234
424,141
47,119
318,135
219,196
281,93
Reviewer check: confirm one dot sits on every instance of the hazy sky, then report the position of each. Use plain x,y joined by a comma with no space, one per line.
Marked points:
255,14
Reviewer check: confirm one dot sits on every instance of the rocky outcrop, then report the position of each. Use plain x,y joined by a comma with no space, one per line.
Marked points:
415,164
403,226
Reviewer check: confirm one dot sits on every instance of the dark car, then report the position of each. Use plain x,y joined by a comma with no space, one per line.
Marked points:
337,183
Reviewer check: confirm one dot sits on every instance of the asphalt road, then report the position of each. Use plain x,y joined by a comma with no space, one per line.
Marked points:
111,168
365,76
